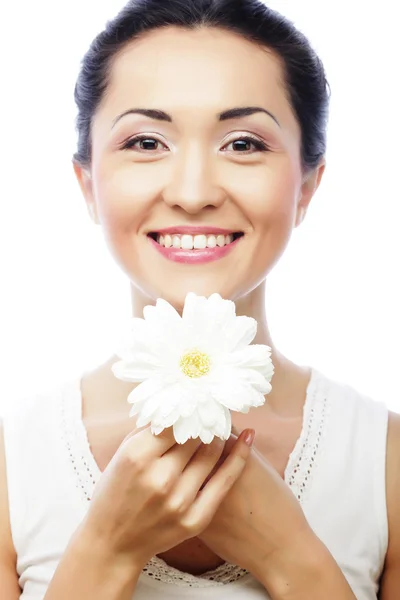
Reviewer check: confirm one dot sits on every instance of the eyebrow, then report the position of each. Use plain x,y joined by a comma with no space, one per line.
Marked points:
232,113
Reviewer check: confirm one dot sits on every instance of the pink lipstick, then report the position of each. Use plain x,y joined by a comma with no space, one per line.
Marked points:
218,244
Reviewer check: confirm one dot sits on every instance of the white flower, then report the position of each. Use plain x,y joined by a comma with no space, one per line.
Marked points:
194,369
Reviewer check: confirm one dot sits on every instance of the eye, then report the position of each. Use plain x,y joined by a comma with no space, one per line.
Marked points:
242,144
146,143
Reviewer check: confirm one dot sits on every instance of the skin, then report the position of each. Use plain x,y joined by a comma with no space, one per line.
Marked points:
196,177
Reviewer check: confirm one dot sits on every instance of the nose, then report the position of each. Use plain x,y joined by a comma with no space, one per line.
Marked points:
192,185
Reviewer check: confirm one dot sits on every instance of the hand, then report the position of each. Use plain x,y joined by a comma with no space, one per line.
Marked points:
147,500
258,521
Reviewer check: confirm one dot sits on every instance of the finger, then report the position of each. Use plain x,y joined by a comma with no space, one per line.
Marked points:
198,469
135,430
176,458
208,500
235,430
231,441
147,445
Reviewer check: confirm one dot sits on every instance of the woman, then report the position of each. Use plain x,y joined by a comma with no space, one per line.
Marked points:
201,126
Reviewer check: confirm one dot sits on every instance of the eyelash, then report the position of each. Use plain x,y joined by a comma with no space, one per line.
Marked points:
257,143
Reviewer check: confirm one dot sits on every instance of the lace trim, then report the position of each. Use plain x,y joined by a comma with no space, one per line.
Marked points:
158,569
74,436
298,474
303,460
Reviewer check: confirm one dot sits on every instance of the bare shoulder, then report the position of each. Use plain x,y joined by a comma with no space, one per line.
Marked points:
390,583
393,477
8,575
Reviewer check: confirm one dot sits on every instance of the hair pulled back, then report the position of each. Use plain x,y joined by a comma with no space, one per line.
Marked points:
304,75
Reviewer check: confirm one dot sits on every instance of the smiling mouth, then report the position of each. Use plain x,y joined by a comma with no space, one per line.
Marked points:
194,242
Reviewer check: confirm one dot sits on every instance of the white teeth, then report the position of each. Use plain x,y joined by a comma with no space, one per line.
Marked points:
199,242
188,242
221,240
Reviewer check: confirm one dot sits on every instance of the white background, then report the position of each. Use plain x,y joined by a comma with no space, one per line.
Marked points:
333,299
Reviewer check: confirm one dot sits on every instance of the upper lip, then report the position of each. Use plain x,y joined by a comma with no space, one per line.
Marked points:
194,230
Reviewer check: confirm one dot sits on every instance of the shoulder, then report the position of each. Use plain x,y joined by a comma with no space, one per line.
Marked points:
8,572
390,581
393,482
7,550
356,414
38,408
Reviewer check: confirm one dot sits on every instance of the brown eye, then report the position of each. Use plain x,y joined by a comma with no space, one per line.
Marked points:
244,145
146,143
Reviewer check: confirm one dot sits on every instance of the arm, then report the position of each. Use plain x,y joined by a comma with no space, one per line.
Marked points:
318,566
305,571
87,571
390,582
277,546
9,588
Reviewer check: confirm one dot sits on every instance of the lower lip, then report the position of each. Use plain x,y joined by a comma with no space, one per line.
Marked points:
196,256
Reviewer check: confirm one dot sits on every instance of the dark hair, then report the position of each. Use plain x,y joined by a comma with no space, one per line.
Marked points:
304,74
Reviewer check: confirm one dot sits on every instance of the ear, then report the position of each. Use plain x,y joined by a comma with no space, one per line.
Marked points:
84,179
309,187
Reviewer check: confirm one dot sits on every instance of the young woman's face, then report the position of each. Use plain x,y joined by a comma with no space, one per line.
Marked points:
193,169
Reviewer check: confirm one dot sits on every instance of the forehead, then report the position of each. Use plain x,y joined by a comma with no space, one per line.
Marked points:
201,71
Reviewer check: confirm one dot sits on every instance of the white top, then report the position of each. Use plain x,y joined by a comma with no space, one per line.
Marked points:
336,470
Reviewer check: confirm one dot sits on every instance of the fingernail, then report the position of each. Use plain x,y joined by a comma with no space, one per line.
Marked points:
249,436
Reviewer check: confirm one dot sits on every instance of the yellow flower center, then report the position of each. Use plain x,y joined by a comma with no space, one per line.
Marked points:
195,364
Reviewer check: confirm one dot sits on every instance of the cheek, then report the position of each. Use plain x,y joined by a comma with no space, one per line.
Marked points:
267,196
124,195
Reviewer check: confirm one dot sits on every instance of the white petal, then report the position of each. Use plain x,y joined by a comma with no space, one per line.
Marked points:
161,314
224,310
156,430
237,395
186,396
164,323
148,408
228,424
205,321
209,412
206,435
187,428
220,313
138,336
134,371
222,427
255,356
142,420
163,419
252,377
187,406
240,333
148,388
194,308
148,398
